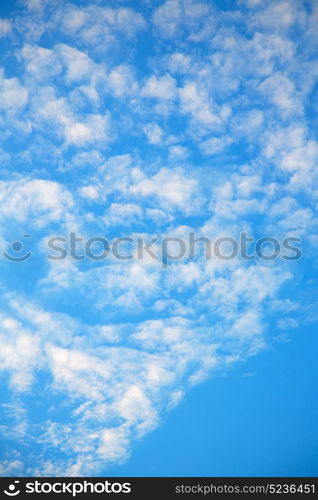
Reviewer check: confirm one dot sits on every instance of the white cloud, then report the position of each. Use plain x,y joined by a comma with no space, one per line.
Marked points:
5,27
20,353
99,26
11,467
245,84
180,62
89,192
41,63
163,87
296,153
253,3
124,214
75,129
167,17
36,5
215,145
36,201
95,129
172,188
122,81
178,152
177,17
154,133
279,16
79,66
281,91
194,99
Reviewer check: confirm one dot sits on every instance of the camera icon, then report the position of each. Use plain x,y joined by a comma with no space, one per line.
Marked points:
13,491
17,247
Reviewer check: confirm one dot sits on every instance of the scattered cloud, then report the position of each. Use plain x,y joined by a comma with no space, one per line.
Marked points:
157,120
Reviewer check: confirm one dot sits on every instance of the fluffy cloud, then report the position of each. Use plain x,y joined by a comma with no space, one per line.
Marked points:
159,88
5,27
179,17
40,200
172,188
211,130
100,26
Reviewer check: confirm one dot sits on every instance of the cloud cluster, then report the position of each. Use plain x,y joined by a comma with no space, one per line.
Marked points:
160,120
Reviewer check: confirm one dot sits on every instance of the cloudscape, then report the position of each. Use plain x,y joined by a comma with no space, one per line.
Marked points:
158,214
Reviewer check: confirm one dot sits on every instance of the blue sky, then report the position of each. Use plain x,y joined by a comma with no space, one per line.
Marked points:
140,119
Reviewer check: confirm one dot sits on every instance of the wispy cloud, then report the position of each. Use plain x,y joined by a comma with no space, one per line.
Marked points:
160,120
